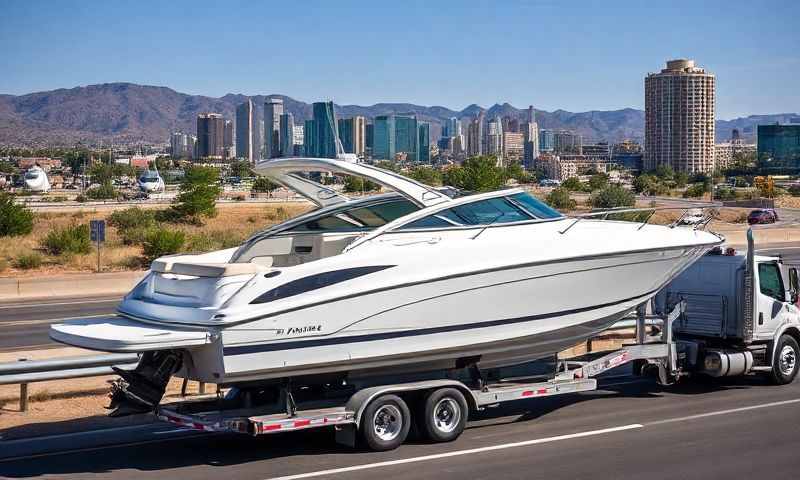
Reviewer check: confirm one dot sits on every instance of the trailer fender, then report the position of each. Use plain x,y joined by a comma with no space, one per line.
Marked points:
359,401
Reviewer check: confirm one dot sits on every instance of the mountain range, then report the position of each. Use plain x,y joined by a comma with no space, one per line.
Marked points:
131,113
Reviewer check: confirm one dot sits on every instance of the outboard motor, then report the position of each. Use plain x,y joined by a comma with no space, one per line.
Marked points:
141,390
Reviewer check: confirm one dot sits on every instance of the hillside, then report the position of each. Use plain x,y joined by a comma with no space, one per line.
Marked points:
130,113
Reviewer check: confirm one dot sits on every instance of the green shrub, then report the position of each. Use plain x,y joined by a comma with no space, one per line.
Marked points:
15,219
106,191
214,240
134,235
695,191
572,184
28,261
613,196
80,198
72,239
133,217
559,198
263,185
162,241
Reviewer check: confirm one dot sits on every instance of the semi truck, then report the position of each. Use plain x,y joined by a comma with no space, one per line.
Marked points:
729,314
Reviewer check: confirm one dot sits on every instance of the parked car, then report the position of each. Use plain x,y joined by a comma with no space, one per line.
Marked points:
762,215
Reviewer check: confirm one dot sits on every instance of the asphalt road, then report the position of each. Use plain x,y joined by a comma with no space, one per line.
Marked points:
24,325
630,429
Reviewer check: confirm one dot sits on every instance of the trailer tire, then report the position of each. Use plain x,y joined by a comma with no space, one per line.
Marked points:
385,423
445,415
785,360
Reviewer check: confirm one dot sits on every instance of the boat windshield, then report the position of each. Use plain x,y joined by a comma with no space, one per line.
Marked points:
32,175
149,178
361,218
519,207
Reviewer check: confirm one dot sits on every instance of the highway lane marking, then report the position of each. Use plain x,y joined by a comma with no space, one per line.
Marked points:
49,320
31,305
633,426
724,412
456,453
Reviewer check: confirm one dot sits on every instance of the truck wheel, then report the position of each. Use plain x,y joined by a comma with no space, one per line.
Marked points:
785,360
445,415
385,423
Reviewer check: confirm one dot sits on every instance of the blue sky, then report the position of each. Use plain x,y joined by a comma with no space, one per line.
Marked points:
577,56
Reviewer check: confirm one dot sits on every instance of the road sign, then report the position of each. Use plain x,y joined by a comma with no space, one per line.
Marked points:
98,230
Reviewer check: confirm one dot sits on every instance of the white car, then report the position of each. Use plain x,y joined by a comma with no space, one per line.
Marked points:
692,217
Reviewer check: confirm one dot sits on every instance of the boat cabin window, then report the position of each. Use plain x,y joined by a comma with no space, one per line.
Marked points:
519,207
361,218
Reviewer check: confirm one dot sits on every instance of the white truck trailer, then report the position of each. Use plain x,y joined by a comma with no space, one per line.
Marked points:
729,314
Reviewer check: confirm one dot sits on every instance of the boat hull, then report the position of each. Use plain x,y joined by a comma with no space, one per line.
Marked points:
492,319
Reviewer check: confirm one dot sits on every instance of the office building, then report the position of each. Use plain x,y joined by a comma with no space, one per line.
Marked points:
309,137
286,135
424,142
352,133
227,140
474,137
494,143
567,142
210,135
779,148
546,141
179,144
530,132
245,123
384,138
326,131
298,140
406,136
513,147
679,118
369,139
273,109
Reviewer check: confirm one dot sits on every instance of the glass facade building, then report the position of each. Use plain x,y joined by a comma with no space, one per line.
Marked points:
286,144
546,141
309,136
325,130
779,148
406,136
424,143
383,138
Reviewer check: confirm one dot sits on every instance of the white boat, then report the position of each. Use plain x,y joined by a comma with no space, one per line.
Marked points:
36,180
151,182
410,280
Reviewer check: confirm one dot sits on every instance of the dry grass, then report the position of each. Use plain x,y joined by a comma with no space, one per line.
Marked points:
233,223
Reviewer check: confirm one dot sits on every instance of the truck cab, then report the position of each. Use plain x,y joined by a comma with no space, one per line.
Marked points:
742,314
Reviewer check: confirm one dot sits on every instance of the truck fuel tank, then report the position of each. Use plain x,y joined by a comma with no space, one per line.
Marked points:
726,363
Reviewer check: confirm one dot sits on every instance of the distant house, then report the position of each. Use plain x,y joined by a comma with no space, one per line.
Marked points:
45,162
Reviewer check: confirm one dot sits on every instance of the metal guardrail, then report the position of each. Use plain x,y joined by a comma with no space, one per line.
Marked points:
23,372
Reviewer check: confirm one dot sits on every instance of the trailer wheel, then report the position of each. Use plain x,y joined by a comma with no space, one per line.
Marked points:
445,415
385,423
785,360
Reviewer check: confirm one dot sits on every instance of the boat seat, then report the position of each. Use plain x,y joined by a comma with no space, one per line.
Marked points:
207,269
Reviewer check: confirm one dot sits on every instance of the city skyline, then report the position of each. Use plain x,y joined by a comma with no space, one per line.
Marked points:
559,60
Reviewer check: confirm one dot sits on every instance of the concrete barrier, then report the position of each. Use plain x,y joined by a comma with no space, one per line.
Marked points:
68,285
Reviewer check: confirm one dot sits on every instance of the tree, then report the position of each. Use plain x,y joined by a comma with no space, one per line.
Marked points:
477,174
613,196
664,172
241,169
598,181
559,198
7,167
104,191
15,219
353,184
572,184
198,194
695,190
387,165
263,185
681,179
427,175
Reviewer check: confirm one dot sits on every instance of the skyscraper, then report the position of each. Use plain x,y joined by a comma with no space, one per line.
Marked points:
384,135
424,142
679,118
474,137
530,133
352,133
227,140
210,135
286,135
245,121
567,142
325,130
779,148
546,141
406,136
273,109
369,139
179,143
309,137
494,144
